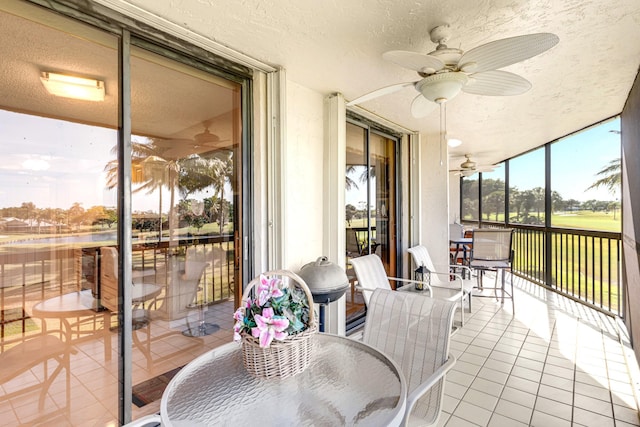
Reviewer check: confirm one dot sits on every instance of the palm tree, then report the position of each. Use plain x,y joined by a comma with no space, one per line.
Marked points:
151,170
200,172
611,176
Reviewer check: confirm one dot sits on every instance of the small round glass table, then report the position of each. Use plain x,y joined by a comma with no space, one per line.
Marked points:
347,383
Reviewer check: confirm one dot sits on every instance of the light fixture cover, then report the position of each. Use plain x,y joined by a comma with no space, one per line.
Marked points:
73,87
454,142
442,87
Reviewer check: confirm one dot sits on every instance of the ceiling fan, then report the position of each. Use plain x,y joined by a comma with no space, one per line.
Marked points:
447,71
469,167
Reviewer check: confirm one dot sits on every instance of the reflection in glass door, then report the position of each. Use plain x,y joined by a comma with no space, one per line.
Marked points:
370,203
59,281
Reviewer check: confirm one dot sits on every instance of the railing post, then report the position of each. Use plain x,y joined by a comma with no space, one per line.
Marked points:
548,208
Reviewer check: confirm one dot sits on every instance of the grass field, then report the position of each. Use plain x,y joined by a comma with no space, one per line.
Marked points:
586,220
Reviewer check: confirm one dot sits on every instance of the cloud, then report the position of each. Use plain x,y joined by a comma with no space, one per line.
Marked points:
35,164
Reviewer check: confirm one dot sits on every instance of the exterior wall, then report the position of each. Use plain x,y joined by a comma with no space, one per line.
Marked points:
454,198
434,202
630,127
303,176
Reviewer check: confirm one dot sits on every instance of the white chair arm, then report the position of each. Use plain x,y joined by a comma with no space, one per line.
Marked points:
413,397
146,421
399,279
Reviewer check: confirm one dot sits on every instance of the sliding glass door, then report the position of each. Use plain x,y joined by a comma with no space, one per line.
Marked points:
61,288
371,204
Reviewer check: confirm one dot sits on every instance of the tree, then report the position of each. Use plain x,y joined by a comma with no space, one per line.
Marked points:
557,202
76,214
538,194
611,176
350,212
200,172
150,170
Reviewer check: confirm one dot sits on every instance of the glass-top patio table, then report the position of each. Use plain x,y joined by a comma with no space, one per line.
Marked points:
347,383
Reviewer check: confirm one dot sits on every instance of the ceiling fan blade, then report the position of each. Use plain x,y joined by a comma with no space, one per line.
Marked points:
496,83
414,61
421,107
500,53
380,92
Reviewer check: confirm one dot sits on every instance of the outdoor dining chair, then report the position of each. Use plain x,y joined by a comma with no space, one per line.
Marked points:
371,275
492,251
141,293
25,355
421,258
415,332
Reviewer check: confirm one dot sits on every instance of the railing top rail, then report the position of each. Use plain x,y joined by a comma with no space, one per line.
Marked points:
560,230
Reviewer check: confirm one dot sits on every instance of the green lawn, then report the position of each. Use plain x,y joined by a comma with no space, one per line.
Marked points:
586,220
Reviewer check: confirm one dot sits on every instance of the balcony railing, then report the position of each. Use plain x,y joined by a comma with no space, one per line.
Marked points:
31,275
583,265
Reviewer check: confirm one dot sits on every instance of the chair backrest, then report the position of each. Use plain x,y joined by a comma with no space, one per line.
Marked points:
492,244
456,230
371,274
189,282
421,257
414,331
353,245
109,277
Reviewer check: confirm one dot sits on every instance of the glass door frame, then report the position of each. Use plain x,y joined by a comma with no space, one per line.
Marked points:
134,33
370,127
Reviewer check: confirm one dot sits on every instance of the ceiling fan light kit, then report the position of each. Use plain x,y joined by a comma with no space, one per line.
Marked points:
445,72
442,87
206,138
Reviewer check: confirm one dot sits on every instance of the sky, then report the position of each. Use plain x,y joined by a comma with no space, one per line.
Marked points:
54,163
575,162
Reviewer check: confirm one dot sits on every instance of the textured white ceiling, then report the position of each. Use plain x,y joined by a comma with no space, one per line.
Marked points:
336,46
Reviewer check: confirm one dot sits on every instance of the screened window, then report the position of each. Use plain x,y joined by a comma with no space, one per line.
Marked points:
526,188
585,188
493,193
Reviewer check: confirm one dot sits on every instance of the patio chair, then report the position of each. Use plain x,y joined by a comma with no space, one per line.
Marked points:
372,275
414,332
25,354
140,292
354,248
190,283
457,256
421,258
492,251
153,420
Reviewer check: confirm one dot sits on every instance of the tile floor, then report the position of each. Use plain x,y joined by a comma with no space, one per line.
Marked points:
554,363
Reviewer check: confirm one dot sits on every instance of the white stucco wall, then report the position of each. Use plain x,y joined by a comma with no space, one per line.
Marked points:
303,180
434,202
454,198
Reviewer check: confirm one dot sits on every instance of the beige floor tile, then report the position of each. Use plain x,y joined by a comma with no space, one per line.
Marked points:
588,418
514,411
552,407
472,413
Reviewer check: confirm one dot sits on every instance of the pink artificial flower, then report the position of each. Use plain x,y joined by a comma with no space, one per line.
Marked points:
268,288
269,327
237,327
239,314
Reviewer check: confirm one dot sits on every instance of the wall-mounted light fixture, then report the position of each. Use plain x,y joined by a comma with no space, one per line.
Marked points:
72,86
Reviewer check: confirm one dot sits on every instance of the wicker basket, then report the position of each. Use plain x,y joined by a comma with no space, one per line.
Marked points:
282,359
